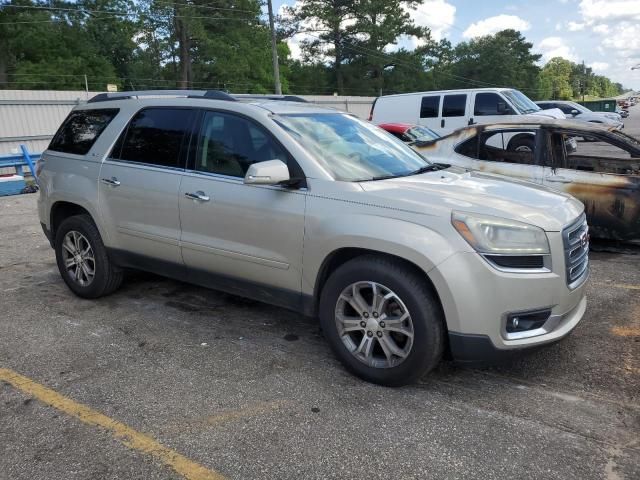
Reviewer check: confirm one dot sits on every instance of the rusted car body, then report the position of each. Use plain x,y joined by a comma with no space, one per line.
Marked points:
603,172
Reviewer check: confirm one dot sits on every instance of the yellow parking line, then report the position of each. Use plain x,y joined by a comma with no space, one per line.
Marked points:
121,432
626,331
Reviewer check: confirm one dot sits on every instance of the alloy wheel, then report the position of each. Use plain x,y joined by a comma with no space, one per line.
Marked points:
374,324
78,258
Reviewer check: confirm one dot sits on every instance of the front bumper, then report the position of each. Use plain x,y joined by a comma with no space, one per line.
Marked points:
477,298
479,349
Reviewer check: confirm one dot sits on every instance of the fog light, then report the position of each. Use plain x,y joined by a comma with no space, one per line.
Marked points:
525,321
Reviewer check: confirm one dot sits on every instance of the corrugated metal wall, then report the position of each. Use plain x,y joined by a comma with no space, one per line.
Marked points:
31,117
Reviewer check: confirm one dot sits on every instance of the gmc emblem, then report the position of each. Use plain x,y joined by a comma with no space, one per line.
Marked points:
584,239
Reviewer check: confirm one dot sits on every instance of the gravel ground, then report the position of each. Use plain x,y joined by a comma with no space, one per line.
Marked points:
252,391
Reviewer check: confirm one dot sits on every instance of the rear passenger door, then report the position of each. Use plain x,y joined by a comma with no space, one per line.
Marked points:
139,184
238,237
490,151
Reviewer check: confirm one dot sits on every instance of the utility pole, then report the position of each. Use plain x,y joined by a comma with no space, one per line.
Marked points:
274,51
584,80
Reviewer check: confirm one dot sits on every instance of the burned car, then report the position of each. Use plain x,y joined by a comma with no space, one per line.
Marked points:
603,173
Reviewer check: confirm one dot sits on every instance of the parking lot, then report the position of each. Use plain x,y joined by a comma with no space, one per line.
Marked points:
167,380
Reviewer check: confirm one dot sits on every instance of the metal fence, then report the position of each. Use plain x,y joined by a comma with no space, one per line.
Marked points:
31,117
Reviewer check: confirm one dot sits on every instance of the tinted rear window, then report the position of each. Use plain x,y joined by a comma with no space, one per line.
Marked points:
155,136
429,107
80,130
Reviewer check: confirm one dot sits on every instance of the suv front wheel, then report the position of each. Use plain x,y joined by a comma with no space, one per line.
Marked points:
82,258
382,320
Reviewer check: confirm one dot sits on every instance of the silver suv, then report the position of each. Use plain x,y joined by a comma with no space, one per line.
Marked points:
314,210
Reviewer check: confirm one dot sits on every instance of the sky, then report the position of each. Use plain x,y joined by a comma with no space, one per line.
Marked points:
605,34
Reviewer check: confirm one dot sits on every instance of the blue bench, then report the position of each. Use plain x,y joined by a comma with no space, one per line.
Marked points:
24,159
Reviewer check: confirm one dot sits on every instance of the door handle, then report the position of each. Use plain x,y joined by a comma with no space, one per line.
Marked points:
442,123
199,195
113,181
558,179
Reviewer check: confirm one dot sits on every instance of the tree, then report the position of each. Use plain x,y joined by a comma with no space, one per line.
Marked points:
329,25
504,59
555,79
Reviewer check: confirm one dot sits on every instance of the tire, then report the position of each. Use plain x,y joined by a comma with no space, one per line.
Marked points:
106,278
415,297
518,144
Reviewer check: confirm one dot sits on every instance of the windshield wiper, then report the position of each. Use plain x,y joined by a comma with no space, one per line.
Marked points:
383,177
433,167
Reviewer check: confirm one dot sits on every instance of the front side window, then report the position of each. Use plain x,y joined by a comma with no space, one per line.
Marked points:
349,149
81,129
454,105
490,103
429,107
155,136
565,107
228,145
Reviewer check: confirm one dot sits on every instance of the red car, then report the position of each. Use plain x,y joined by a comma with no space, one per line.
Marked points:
410,133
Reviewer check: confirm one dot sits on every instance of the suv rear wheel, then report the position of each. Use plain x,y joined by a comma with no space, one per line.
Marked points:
82,258
382,320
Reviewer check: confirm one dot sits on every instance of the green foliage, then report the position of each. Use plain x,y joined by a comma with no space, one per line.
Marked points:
351,47
561,79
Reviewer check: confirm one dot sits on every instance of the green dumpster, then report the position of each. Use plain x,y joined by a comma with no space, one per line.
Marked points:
600,105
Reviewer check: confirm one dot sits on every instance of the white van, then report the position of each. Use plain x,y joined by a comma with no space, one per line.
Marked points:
447,110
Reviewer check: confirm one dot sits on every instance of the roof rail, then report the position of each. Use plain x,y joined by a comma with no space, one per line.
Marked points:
210,94
284,98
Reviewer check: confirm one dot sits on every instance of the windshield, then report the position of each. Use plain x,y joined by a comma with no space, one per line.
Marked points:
579,107
421,134
521,101
350,149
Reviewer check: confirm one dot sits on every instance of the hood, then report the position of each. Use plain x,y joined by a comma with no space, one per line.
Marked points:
551,113
442,191
611,116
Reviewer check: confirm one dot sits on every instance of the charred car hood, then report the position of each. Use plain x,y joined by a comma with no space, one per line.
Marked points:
442,191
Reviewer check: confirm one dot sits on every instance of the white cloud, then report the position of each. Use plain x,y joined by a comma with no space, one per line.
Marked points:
625,41
575,27
556,47
495,24
598,10
599,66
438,15
601,28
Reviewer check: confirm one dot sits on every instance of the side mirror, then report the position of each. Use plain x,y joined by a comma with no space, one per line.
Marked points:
270,172
502,108
574,112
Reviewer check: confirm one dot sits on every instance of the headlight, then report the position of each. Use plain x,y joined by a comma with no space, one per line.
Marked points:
494,235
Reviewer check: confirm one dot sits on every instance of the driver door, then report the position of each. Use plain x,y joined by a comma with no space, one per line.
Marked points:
234,236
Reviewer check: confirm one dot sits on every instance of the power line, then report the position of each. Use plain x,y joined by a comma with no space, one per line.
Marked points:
121,12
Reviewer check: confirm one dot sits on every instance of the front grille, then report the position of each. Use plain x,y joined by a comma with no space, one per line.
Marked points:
576,252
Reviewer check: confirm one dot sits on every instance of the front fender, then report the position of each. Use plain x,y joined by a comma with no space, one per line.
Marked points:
328,230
